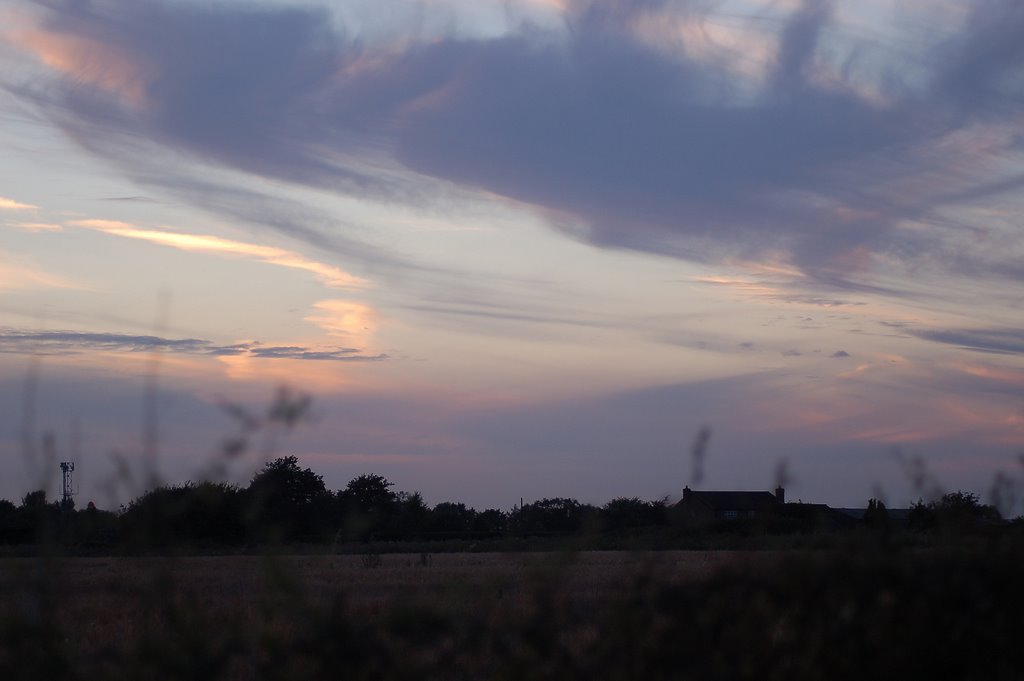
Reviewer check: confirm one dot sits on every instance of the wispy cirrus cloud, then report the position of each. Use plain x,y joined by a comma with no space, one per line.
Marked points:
1008,341
329,275
11,204
20,341
36,226
95,63
19,272
784,287
129,199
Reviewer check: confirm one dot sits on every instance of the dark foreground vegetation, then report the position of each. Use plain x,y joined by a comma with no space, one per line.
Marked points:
854,613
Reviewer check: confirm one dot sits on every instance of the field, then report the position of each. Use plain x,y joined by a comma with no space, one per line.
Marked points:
615,615
92,589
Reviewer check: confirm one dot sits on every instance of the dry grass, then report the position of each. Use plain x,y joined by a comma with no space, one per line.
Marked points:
612,615
106,608
91,588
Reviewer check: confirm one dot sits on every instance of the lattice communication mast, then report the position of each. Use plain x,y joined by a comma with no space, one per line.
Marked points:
67,486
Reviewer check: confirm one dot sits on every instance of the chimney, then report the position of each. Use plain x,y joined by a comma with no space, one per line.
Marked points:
686,493
780,494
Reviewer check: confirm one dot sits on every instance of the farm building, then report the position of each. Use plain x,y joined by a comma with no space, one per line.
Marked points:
730,505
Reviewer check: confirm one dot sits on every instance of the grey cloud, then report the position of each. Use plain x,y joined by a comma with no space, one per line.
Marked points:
798,43
229,350
840,354
14,341
983,64
297,352
644,154
791,353
505,314
244,86
641,149
70,342
237,84
807,299
999,341
130,199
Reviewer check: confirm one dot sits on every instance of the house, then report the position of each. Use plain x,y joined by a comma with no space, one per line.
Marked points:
730,505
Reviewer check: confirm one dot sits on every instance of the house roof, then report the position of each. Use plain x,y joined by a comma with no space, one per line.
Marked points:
732,501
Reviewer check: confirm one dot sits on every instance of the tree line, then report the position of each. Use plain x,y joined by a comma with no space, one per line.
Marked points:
287,504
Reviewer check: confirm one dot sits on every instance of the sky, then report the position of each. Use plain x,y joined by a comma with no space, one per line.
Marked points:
515,249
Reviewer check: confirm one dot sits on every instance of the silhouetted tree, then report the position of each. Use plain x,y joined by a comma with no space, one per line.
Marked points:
955,511
367,506
876,516
964,509
35,520
491,521
204,513
410,516
557,515
623,513
368,492
876,519
34,500
9,531
95,529
283,481
287,502
921,516
452,517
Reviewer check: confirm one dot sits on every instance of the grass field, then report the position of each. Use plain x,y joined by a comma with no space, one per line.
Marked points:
614,615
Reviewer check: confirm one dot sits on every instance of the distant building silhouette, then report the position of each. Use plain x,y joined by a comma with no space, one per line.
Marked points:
708,506
730,505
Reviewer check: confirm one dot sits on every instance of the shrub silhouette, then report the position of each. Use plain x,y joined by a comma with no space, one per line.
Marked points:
451,517
622,514
953,512
201,513
556,515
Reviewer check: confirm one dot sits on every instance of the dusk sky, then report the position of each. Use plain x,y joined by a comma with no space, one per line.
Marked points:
517,248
